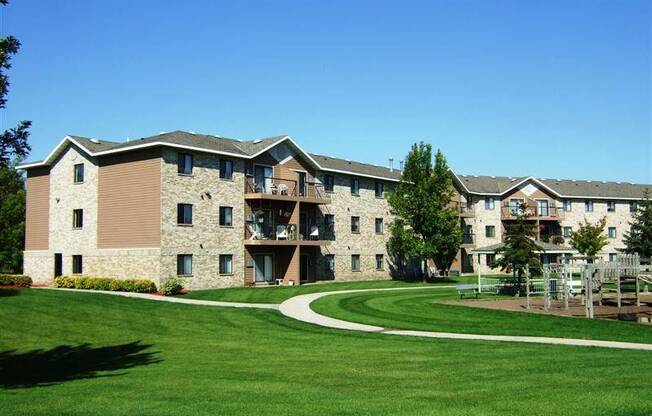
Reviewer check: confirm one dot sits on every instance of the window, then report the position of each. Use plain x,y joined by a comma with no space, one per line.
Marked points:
567,231
490,259
611,206
77,218
329,183
79,173
184,214
490,231
612,256
543,208
612,232
329,265
355,224
226,216
380,262
380,188
329,221
77,264
355,263
355,186
489,203
184,163
184,264
226,264
567,205
379,225
226,169
633,206
588,205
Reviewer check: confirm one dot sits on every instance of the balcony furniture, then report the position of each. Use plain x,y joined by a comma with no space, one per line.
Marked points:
279,282
282,189
314,233
254,235
281,232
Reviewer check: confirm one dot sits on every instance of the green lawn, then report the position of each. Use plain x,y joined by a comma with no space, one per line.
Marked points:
277,294
92,354
421,310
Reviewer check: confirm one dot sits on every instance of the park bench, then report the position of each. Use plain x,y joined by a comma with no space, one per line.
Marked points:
466,290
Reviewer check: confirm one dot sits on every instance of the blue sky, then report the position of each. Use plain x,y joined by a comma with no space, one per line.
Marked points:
553,89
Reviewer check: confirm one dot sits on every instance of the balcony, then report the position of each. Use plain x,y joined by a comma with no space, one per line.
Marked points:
468,240
533,212
285,190
283,235
463,209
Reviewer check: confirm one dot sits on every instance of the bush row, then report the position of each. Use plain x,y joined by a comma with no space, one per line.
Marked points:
15,280
105,283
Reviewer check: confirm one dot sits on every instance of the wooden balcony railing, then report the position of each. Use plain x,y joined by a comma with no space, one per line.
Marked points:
285,187
464,209
532,211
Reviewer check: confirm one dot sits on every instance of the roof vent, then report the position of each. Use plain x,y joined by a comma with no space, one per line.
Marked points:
475,176
493,177
604,181
573,180
257,141
191,132
391,164
95,141
588,181
162,132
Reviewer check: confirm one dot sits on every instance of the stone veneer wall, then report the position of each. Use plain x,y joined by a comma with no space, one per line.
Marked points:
205,239
367,243
482,218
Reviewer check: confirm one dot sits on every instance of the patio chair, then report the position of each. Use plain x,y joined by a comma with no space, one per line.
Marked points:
282,189
281,232
314,233
254,234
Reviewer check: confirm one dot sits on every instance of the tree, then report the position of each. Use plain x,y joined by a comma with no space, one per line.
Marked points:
639,238
12,220
519,251
589,238
13,142
426,226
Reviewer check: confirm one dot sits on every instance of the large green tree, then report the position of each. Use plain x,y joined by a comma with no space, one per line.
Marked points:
639,238
589,238
13,148
519,251
427,225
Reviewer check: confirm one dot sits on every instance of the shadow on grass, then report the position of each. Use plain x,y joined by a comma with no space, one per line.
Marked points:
66,363
8,291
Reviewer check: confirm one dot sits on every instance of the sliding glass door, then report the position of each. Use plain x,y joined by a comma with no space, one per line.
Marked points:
263,268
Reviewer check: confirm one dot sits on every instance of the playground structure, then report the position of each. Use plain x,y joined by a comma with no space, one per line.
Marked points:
591,282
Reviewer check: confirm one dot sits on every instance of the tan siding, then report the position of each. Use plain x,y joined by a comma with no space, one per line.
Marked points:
37,209
129,200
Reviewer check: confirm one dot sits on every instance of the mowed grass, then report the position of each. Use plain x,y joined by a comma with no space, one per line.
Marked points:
92,354
423,310
277,294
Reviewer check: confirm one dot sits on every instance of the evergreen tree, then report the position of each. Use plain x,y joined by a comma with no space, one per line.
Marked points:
12,220
639,238
519,250
427,226
589,239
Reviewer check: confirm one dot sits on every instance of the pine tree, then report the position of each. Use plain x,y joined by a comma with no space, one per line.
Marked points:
639,238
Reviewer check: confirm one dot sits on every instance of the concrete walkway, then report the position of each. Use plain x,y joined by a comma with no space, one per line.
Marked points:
298,308
174,299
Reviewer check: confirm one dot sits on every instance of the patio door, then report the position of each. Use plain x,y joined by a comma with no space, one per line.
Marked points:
263,178
263,268
543,208
302,183
303,267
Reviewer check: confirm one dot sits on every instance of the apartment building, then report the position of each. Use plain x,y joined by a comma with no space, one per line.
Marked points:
490,204
218,212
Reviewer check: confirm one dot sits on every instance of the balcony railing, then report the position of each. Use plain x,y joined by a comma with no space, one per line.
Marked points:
532,211
288,232
464,209
468,238
285,187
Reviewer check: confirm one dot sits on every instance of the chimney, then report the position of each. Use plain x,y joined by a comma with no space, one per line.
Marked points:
391,164
400,162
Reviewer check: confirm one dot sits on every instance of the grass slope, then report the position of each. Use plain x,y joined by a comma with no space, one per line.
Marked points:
277,294
90,354
420,310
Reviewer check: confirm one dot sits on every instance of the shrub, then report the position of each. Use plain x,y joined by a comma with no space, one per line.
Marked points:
105,283
15,280
172,286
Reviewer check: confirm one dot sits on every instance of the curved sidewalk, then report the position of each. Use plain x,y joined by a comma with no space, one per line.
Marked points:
298,308
174,299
